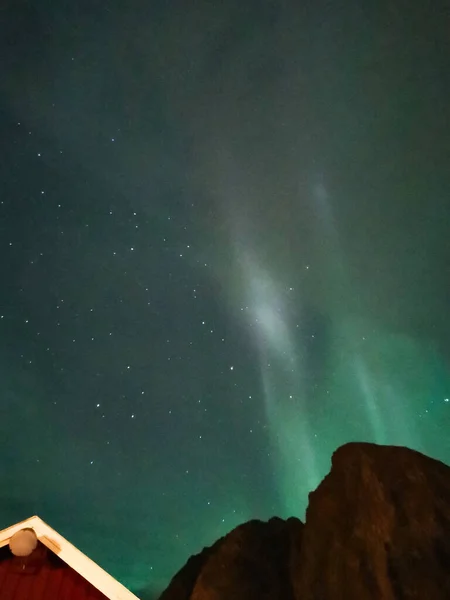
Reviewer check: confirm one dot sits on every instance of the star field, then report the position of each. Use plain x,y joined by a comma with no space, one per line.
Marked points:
223,253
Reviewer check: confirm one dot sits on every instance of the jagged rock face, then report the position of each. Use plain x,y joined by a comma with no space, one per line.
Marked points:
181,586
251,562
377,528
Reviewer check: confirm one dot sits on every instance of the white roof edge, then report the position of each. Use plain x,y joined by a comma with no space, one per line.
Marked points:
73,557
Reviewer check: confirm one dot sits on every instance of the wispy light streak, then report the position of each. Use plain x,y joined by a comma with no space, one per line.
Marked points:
281,376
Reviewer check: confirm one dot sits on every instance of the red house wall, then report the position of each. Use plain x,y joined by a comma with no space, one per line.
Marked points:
42,576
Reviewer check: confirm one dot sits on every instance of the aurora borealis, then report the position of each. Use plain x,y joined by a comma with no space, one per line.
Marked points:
224,242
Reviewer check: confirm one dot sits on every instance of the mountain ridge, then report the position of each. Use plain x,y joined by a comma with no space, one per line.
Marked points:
376,527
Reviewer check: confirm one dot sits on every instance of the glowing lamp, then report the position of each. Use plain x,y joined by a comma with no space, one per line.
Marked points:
23,542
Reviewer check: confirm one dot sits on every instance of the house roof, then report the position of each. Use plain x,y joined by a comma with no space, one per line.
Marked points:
68,555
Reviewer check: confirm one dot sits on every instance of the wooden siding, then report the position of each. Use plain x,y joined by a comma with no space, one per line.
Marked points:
42,576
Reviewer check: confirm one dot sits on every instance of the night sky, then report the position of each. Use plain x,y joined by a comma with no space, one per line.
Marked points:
224,251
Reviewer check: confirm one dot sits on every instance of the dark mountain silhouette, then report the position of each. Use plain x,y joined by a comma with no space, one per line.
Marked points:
377,528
